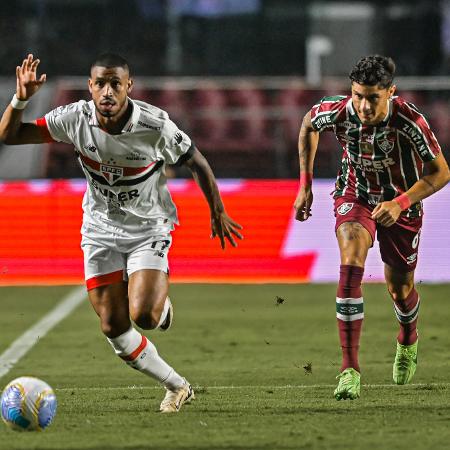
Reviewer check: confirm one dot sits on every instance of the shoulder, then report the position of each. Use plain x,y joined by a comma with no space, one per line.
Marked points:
71,111
328,110
150,117
333,101
406,110
330,104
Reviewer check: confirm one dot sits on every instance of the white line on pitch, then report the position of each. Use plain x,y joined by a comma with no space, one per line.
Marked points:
288,386
27,340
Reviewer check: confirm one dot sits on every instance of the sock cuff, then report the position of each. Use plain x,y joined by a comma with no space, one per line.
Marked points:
409,308
349,309
127,342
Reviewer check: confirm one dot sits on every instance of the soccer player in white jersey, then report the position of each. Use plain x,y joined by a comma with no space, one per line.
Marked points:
123,146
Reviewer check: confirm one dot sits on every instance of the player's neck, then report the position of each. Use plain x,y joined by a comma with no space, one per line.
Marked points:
115,125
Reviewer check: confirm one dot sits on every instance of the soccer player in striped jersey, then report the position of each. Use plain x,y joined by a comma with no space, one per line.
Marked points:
386,144
123,146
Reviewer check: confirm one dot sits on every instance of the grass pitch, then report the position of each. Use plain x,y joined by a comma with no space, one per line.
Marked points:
262,358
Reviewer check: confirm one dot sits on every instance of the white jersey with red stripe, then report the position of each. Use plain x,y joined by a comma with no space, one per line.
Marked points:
127,191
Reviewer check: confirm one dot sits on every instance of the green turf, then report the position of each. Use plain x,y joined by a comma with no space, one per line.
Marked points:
263,369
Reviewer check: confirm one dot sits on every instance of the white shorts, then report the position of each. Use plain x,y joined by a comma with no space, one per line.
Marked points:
109,258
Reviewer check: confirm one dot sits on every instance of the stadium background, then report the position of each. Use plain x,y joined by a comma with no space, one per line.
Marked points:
237,76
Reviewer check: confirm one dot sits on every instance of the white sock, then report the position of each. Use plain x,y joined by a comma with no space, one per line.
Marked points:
164,312
137,351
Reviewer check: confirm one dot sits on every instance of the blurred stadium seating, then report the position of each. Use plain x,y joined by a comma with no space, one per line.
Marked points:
247,128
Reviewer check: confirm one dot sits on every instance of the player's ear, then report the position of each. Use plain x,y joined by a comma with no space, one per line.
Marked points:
90,85
392,90
129,85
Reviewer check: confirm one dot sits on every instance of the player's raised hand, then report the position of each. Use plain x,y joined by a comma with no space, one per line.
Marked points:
386,213
223,226
27,81
303,203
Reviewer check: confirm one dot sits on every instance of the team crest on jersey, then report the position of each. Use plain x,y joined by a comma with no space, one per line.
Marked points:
345,208
386,142
111,173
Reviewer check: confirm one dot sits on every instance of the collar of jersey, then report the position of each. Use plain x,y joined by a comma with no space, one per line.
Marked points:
132,122
383,123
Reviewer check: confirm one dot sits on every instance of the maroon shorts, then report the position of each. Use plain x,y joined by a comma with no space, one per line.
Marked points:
399,243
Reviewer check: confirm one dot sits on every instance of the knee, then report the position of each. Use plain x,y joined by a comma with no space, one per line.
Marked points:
146,317
399,293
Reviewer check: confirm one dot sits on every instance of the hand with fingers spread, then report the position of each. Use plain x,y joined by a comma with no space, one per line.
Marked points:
387,213
223,226
27,81
303,203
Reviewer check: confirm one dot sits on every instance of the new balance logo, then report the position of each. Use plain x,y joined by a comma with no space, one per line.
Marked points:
90,147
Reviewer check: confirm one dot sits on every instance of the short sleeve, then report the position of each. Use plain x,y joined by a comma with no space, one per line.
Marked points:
420,134
60,120
175,145
324,113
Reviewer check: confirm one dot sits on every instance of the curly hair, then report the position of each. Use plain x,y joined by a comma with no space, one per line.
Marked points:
374,70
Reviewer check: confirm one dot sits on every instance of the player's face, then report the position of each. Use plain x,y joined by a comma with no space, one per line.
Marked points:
109,87
371,102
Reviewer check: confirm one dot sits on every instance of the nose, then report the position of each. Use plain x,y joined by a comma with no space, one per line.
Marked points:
365,105
107,91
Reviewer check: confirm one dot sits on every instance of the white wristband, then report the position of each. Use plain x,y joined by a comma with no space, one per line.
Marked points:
18,104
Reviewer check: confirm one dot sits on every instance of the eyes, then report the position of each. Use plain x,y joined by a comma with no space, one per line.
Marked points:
371,98
115,84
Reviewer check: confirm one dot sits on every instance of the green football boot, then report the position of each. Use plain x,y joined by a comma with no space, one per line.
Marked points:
405,363
349,385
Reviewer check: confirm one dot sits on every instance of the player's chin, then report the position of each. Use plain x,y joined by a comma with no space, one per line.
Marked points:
106,113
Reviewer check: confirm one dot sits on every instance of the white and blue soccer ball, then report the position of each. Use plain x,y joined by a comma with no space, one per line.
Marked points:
28,404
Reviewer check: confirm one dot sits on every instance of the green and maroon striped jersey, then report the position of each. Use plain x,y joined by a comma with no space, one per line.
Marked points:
379,162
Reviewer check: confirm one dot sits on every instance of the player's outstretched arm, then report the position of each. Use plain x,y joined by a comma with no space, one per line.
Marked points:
222,225
12,130
308,140
387,213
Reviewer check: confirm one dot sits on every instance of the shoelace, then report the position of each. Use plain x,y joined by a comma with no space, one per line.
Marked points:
404,358
345,379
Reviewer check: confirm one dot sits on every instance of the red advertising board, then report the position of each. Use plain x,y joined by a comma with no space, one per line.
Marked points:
39,233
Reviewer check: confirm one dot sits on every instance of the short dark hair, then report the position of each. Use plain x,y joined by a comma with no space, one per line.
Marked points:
374,70
109,60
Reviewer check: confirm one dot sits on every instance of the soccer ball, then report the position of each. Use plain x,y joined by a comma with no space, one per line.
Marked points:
28,404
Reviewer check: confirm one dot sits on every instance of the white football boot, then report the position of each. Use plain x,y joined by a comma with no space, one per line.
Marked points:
174,400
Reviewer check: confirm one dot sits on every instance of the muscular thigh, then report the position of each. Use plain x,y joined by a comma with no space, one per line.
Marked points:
354,243
355,230
147,268
110,302
147,289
